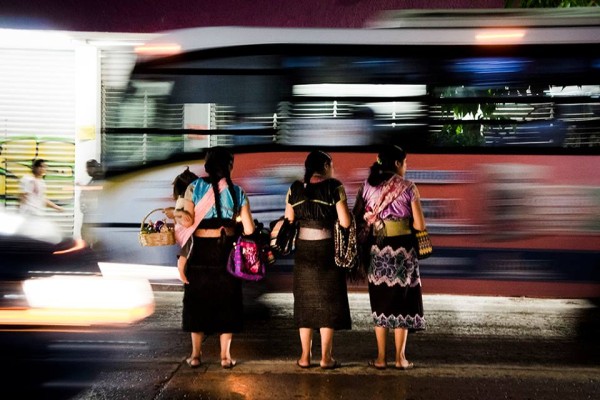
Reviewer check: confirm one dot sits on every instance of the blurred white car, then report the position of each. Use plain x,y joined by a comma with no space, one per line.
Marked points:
34,246
49,280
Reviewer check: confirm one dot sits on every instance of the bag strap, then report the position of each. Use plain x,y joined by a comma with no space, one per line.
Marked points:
182,234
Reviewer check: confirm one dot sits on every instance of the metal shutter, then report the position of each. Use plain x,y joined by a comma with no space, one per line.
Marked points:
37,120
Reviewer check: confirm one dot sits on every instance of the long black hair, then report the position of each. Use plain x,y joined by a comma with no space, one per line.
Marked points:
385,167
218,164
316,161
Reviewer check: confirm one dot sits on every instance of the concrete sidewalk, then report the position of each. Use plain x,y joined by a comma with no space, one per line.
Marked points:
475,348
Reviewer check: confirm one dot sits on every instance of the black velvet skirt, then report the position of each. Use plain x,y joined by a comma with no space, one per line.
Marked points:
320,290
212,301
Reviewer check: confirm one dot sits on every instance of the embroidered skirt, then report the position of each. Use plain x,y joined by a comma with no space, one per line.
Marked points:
320,291
212,301
395,284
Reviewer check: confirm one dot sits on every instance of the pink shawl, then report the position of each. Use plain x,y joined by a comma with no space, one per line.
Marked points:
182,234
393,188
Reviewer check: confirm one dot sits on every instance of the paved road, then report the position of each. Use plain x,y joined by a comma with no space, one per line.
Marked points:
475,348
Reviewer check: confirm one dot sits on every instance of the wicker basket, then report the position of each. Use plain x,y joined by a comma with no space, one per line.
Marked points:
165,237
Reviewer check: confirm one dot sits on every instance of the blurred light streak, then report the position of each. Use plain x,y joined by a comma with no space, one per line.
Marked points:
96,345
82,301
74,317
359,90
115,43
500,36
91,188
158,49
491,65
79,245
150,272
86,292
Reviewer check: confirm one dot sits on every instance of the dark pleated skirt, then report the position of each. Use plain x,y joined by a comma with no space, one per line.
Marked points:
320,291
212,301
395,284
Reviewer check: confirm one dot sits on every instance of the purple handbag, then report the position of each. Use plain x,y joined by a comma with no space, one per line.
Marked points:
247,260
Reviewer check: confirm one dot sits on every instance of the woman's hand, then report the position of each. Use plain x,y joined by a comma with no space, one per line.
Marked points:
183,278
170,212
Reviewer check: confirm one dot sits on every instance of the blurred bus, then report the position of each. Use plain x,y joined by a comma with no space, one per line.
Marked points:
499,111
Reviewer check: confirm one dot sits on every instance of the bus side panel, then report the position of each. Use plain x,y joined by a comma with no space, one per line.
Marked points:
500,217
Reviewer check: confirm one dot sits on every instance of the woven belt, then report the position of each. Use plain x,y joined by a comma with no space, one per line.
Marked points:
394,228
314,234
213,233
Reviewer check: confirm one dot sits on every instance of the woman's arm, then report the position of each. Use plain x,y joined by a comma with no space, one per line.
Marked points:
50,203
247,220
417,212
289,212
343,213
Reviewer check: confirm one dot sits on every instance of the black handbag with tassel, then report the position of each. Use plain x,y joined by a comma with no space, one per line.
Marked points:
422,243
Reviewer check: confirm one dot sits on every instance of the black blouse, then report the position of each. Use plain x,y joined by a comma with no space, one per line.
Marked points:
314,206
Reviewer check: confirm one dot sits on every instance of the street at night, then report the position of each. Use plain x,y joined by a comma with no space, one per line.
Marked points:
474,348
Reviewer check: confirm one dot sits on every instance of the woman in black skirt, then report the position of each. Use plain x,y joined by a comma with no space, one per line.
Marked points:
387,205
212,299
320,292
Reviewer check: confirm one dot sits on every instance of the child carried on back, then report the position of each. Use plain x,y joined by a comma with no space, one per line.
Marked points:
183,214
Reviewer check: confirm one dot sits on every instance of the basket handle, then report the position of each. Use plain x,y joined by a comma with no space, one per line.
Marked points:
147,215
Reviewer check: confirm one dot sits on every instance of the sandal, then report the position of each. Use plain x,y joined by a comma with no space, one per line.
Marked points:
373,365
193,362
408,366
302,366
334,365
228,364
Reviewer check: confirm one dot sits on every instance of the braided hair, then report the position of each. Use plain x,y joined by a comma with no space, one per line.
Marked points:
218,164
316,161
385,167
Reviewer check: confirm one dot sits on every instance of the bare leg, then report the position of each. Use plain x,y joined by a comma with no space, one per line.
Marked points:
326,347
381,337
196,357
306,342
226,360
401,335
